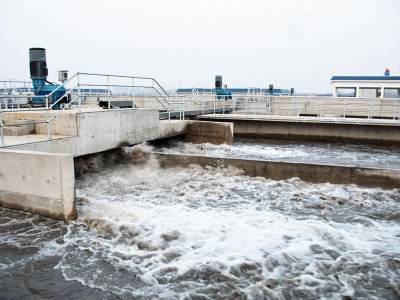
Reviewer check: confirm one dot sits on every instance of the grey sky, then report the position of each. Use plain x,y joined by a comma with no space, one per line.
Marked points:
290,43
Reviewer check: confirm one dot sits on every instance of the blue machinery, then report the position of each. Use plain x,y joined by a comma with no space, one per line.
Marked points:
222,93
39,72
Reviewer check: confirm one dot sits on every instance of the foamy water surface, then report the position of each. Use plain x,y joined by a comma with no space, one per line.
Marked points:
145,232
292,151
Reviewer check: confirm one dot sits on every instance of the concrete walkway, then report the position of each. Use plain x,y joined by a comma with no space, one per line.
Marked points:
302,119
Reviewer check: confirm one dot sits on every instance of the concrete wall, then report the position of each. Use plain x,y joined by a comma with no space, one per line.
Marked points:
313,130
276,170
37,182
171,128
210,132
108,129
99,131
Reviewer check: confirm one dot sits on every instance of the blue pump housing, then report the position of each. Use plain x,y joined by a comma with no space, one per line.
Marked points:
39,72
221,93
40,88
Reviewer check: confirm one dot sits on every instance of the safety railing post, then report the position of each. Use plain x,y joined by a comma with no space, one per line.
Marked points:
292,107
133,92
215,103
202,105
108,91
370,108
78,79
344,108
319,108
47,117
1,123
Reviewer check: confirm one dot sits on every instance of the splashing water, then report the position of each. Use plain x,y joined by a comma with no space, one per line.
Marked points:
305,152
145,232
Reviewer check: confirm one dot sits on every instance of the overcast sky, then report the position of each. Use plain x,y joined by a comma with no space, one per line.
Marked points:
289,43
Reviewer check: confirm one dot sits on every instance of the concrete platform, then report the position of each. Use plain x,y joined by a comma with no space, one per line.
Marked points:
91,130
322,120
30,138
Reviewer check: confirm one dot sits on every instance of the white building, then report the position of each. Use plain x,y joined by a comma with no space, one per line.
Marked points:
366,86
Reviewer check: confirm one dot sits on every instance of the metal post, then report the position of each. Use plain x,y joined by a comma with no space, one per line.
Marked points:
108,91
292,107
1,123
47,118
319,108
79,91
371,104
202,105
133,92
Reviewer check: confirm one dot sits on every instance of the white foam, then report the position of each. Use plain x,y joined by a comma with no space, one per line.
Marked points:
170,226
339,154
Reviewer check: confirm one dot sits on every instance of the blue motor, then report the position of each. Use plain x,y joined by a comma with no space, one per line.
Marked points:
221,93
39,72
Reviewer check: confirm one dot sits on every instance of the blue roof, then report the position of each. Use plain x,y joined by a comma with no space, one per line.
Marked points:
242,91
363,78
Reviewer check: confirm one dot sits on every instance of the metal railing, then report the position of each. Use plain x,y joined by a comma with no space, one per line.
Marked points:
76,88
86,89
316,107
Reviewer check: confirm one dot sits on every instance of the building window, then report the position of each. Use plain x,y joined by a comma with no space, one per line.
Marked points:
346,92
392,93
370,93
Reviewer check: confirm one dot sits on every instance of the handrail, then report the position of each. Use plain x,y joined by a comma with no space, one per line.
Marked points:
130,77
62,85
66,93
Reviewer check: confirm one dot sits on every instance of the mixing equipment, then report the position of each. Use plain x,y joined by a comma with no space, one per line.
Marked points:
38,69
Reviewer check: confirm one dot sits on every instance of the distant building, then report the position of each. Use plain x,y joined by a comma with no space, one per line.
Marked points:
235,92
366,86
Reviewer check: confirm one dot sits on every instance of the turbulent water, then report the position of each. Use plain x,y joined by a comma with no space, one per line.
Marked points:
305,152
145,232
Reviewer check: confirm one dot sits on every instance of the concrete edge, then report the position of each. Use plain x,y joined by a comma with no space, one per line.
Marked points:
278,170
38,182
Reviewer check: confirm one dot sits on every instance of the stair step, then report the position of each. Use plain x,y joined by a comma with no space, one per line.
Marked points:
19,130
